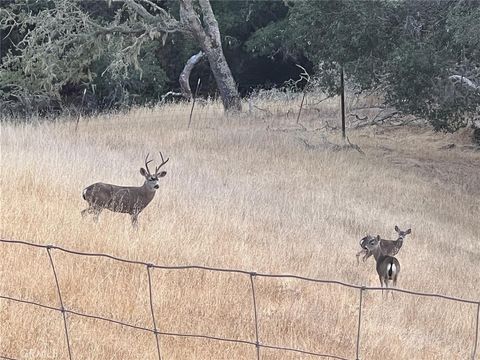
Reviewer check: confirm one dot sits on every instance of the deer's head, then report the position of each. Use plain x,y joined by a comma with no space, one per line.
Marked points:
372,243
151,180
402,234
364,240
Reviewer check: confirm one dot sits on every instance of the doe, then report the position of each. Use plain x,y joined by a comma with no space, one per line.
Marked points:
388,247
388,266
124,199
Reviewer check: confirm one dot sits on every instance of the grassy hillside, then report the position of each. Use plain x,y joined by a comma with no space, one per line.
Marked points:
247,192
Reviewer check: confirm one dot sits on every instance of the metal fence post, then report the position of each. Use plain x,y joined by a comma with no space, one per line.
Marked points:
153,313
62,309
257,343
357,357
476,332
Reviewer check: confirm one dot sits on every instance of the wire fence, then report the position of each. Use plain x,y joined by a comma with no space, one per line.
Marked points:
251,275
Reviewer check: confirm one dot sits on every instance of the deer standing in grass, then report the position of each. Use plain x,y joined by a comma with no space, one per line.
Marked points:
388,266
388,247
124,199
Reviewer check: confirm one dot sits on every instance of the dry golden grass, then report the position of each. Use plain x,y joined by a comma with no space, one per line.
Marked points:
239,196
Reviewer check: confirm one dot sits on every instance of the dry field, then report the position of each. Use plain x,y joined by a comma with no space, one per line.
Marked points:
245,192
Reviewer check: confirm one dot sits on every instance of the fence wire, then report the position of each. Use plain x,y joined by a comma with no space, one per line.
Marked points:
251,275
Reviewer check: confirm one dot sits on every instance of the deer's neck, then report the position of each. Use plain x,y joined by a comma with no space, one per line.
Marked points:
377,254
148,192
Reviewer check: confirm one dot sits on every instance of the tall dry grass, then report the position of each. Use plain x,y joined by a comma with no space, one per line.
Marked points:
251,192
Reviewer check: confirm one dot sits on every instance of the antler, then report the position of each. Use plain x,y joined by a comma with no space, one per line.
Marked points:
146,164
163,163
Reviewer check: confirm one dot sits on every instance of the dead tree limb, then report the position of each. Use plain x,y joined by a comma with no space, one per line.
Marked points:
320,101
185,75
303,76
325,144
170,93
360,118
463,80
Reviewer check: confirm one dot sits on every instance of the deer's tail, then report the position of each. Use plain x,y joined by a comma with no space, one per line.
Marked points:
391,268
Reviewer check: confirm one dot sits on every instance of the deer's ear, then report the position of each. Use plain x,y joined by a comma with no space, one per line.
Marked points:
408,231
396,228
378,238
143,172
162,174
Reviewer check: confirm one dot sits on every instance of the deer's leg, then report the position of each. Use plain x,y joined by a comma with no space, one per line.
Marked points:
386,287
85,212
394,283
381,283
96,213
90,210
135,221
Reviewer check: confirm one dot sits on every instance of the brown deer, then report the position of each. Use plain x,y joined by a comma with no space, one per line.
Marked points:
388,247
124,199
387,267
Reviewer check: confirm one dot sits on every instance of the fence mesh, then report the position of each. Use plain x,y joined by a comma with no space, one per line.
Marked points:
251,275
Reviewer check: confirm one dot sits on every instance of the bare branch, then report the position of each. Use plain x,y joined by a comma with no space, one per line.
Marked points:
354,146
464,80
185,75
140,10
118,29
360,118
321,100
156,7
163,22
170,93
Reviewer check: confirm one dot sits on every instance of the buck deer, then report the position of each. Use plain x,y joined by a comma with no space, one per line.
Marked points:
124,199
388,247
388,266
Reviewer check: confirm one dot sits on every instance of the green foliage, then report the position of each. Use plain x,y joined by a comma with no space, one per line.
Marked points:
437,42
62,48
48,56
237,20
352,34
272,40
408,49
464,25
137,86
417,85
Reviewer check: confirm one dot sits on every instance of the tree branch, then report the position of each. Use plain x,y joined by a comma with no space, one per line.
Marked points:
158,8
102,30
464,80
185,75
163,22
140,10
211,22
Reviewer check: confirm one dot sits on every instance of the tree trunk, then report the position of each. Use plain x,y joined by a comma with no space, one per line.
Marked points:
224,79
208,37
